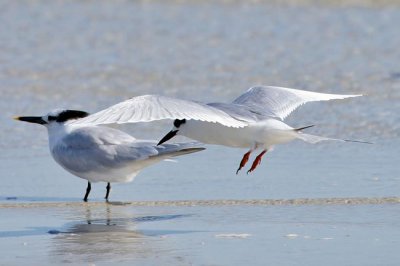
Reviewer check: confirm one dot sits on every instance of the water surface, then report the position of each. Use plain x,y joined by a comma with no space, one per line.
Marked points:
90,55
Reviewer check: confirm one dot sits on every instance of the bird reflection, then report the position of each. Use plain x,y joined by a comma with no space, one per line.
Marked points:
109,233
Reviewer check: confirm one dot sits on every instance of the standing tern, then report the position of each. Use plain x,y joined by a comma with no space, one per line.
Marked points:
101,154
254,120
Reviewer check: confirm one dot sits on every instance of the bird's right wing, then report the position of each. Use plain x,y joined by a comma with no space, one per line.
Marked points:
148,108
278,102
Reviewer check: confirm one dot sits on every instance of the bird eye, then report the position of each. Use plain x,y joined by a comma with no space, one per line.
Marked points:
178,123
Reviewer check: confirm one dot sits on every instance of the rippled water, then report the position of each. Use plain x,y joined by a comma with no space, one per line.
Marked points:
89,55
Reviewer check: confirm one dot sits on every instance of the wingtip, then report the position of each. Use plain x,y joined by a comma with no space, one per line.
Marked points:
351,95
344,96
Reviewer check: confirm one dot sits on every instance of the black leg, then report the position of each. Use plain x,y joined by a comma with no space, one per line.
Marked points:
89,187
108,190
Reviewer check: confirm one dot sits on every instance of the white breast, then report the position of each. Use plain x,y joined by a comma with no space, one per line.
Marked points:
265,133
213,133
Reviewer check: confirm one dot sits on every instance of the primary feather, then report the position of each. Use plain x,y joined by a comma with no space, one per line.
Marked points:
256,104
154,107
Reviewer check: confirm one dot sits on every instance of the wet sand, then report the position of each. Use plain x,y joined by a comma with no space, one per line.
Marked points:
292,232
192,203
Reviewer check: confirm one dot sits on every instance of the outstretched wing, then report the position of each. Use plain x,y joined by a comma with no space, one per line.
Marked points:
154,107
278,102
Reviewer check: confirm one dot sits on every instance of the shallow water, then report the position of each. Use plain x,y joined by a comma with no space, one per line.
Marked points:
252,235
89,55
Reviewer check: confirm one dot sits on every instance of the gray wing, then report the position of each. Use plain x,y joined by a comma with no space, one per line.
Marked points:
277,102
95,148
239,112
89,148
177,149
154,107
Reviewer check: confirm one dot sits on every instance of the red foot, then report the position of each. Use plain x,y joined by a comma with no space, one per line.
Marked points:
243,161
257,161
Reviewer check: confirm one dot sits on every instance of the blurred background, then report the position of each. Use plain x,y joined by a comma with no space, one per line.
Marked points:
89,55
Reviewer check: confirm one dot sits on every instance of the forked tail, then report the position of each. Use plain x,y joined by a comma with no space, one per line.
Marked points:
315,139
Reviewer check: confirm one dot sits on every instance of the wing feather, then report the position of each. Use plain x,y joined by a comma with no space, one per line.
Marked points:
154,107
278,102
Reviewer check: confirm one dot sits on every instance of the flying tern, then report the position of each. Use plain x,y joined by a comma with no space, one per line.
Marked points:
101,154
254,120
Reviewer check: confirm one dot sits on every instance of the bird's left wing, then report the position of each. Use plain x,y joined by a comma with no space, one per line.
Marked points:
278,102
148,108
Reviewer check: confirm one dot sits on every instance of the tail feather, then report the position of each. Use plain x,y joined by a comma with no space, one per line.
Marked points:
358,141
315,139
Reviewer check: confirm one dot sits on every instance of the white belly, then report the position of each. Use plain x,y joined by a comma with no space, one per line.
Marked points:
213,133
102,174
94,171
120,175
263,134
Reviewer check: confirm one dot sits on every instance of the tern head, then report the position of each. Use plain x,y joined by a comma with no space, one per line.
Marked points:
59,116
177,126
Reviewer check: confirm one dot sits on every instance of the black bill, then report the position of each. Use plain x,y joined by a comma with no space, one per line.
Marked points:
167,137
31,119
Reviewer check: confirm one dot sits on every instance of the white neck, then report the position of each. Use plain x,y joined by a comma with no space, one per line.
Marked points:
56,132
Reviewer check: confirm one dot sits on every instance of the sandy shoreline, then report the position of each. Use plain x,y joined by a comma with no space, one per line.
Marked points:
189,203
